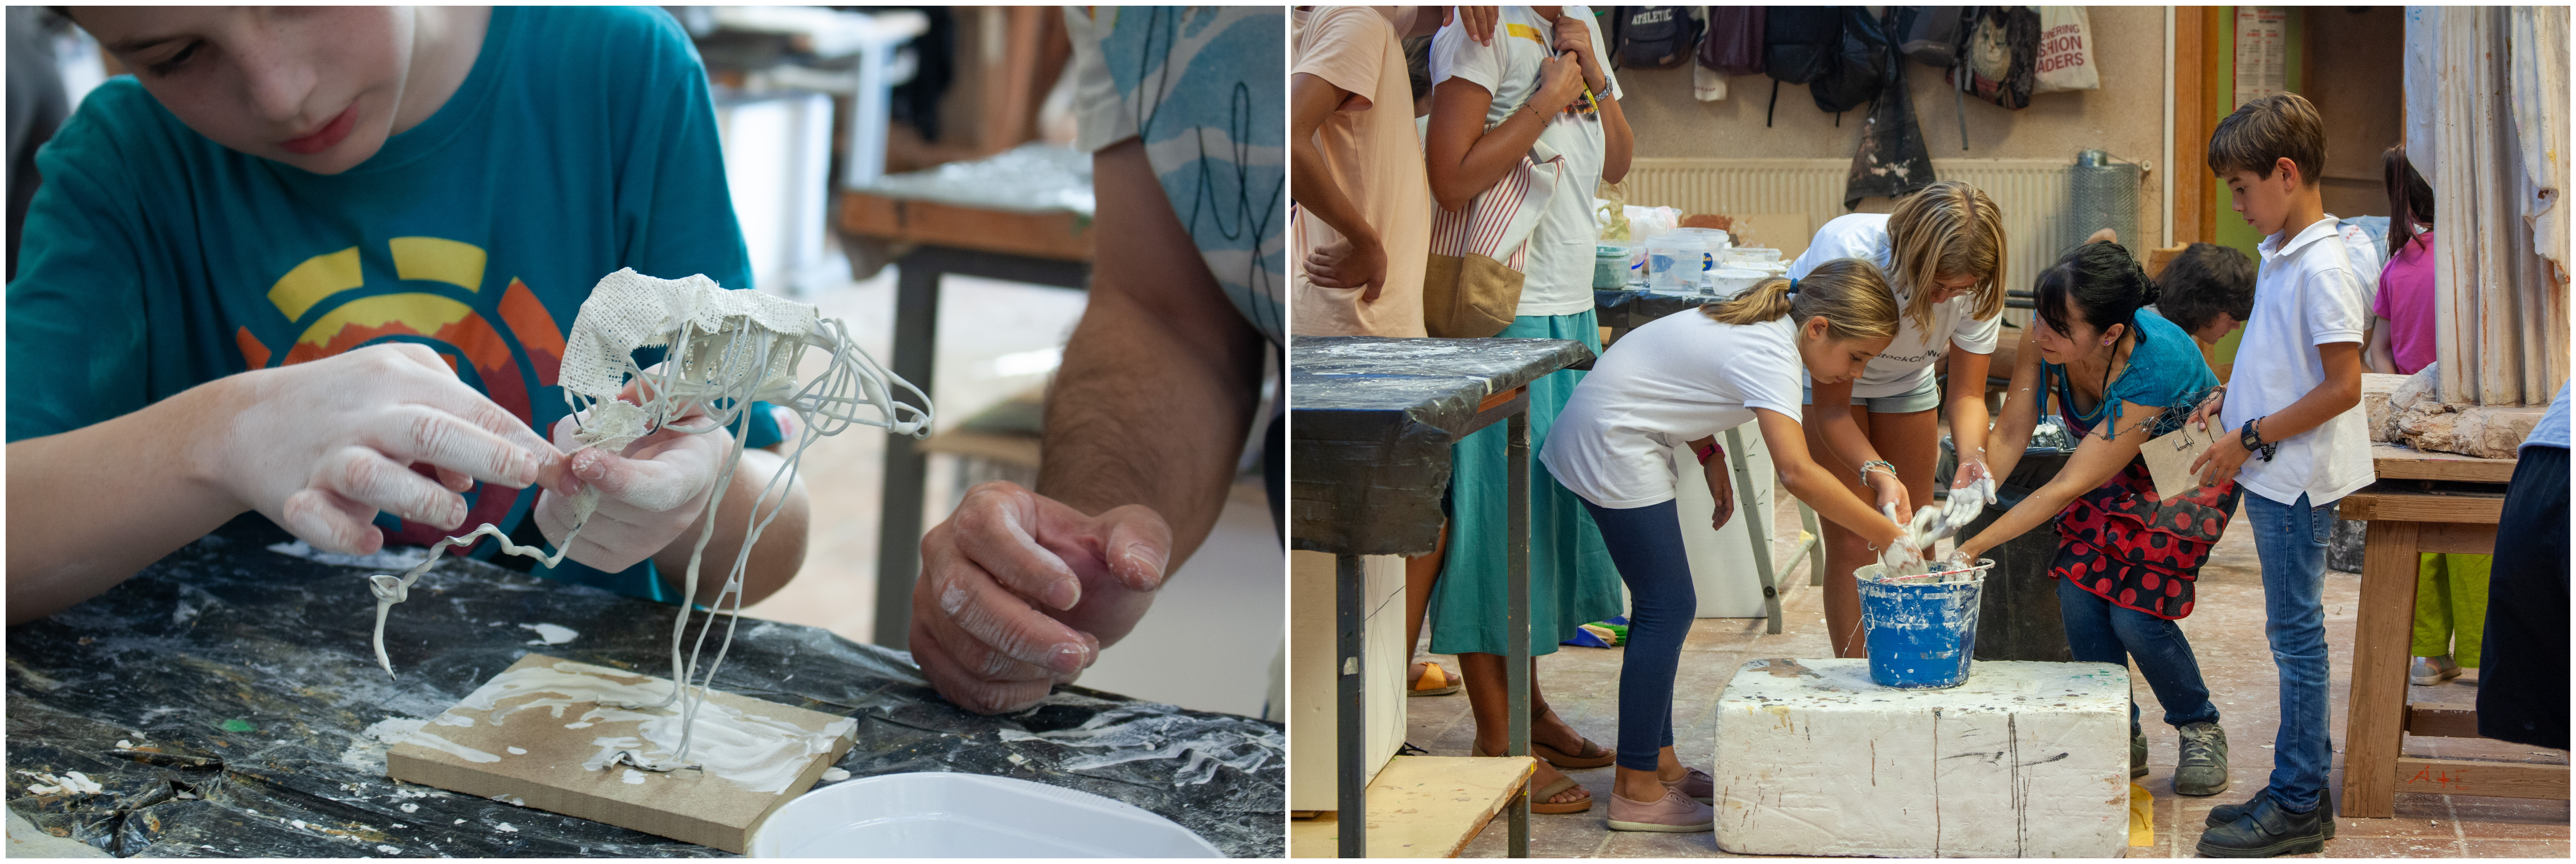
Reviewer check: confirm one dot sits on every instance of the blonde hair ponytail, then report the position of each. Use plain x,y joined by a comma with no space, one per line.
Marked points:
1947,229
1850,293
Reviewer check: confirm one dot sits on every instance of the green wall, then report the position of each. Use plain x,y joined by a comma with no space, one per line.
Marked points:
2232,230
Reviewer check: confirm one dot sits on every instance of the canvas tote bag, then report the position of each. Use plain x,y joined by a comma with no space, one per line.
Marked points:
1471,286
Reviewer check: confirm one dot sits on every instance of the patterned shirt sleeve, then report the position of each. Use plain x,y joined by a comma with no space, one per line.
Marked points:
1201,85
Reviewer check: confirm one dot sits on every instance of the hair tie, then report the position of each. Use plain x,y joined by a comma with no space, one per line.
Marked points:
1793,286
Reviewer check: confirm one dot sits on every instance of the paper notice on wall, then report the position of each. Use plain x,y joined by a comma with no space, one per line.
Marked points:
2262,52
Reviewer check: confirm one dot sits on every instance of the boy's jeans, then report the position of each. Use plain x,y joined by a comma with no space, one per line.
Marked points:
2290,539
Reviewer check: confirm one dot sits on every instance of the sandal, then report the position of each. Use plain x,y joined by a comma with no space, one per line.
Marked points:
1593,756
1434,681
1539,802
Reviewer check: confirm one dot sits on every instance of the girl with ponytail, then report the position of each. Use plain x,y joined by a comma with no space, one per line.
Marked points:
2119,375
1683,379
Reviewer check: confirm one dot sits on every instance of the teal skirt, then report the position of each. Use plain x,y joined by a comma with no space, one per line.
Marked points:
1572,582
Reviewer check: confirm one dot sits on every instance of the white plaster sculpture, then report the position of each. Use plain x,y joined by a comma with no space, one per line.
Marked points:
726,350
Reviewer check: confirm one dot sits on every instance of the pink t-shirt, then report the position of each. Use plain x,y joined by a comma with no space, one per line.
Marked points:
2406,300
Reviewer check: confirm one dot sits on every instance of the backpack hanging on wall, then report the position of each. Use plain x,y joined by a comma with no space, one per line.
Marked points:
1656,37
1798,44
1999,54
1928,34
1892,159
1734,42
1857,68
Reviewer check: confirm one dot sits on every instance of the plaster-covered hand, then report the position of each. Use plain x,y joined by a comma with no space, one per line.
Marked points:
649,495
1970,491
1892,496
320,447
1018,592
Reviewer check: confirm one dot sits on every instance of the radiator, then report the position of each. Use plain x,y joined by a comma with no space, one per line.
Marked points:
2033,194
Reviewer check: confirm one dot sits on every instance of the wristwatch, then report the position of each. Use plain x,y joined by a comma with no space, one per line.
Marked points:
2251,435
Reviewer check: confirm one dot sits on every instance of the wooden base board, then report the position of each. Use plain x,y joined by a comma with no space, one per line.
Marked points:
689,805
1422,807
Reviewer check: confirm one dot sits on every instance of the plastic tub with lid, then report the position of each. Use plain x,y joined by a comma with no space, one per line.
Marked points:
1674,262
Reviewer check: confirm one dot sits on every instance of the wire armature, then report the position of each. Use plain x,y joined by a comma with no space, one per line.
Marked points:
726,350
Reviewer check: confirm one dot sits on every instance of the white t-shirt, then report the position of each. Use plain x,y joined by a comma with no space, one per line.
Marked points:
1560,250
2305,295
1677,379
1906,365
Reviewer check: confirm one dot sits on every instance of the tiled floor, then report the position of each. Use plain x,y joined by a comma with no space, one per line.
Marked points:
2226,629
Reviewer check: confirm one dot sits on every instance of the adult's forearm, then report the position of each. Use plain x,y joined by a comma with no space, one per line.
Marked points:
774,561
1145,411
90,507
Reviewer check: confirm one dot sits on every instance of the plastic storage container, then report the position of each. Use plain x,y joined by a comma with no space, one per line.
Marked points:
1731,281
939,815
1613,261
1922,630
1675,261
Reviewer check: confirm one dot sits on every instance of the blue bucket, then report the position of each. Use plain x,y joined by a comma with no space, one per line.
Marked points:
1922,632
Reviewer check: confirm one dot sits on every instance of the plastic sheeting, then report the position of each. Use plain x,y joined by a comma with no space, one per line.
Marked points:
1032,178
1372,424
222,699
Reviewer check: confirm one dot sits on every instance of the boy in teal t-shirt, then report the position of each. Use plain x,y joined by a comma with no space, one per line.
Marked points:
275,190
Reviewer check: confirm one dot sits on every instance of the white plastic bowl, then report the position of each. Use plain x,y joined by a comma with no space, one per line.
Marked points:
942,815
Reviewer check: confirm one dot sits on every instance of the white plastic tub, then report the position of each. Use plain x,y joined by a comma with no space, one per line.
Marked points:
941,815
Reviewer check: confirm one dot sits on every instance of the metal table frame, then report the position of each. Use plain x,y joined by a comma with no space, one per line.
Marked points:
916,346
1350,710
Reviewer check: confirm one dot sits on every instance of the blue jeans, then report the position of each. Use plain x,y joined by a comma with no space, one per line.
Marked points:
1646,544
2099,632
2291,541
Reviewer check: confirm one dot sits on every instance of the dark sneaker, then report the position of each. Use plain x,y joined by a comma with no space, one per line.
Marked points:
2265,830
2225,813
2203,767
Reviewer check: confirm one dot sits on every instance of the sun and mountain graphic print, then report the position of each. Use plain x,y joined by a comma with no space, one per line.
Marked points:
434,291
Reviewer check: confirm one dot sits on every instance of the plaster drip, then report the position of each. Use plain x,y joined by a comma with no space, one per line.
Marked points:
726,350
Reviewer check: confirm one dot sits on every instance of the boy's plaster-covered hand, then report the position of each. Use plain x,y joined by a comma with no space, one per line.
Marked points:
650,495
321,447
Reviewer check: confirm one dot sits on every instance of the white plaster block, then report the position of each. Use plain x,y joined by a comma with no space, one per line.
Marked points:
1312,685
2026,759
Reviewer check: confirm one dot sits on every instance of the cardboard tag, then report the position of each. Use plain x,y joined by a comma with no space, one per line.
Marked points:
2169,459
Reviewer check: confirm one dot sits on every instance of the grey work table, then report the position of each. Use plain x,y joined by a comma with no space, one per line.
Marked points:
1372,423
220,700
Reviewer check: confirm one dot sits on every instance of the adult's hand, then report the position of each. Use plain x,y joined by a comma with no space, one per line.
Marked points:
1574,38
1018,592
320,447
1478,20
1350,263
1560,84
650,494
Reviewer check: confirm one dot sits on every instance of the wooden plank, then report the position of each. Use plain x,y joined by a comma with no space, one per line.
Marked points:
2190,117
535,757
2491,779
2459,537
2394,462
2376,718
1423,807
2382,504
1061,236
2437,720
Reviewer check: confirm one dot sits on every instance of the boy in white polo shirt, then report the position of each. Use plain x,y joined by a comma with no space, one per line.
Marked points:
2297,444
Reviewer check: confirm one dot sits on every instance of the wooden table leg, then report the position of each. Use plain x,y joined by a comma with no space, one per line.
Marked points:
2375,721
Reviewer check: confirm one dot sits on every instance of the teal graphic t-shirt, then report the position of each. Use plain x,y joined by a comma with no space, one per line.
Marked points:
154,259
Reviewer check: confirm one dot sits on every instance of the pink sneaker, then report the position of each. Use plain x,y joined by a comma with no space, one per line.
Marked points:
1695,785
1673,814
